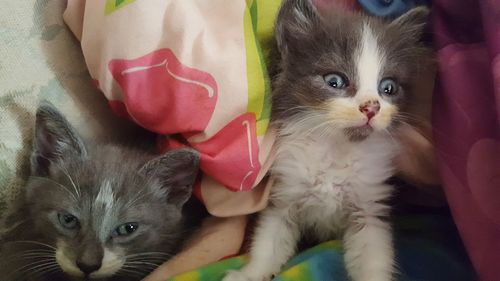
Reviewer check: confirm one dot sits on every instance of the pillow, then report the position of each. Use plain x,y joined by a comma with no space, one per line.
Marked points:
196,70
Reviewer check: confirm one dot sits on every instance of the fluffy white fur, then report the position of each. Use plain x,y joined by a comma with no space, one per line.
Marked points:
328,186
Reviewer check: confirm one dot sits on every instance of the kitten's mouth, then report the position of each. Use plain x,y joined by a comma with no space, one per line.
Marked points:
359,133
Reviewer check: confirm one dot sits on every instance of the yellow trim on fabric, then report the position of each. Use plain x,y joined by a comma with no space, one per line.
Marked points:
188,276
111,5
261,126
298,272
259,21
255,75
267,11
266,20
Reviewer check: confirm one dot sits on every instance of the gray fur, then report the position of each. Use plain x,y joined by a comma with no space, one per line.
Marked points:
104,186
311,44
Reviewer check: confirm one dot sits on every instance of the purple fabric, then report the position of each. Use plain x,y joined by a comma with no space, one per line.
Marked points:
467,123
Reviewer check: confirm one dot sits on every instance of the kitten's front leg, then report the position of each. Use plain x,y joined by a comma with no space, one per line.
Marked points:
274,242
369,253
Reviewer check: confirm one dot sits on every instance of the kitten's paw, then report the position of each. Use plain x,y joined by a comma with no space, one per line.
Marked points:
234,275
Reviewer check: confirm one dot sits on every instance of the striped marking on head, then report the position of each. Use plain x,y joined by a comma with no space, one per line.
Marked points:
104,210
369,62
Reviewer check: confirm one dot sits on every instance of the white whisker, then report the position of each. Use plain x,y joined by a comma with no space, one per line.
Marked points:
36,243
58,184
138,270
66,173
145,263
40,269
27,267
390,135
148,253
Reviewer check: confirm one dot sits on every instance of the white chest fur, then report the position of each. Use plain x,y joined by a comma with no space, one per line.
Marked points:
321,181
327,187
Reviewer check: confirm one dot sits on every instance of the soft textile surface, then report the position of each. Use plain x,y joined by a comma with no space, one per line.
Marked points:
196,69
428,248
40,59
467,123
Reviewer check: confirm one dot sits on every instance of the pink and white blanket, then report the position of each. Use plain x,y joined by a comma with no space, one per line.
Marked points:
194,70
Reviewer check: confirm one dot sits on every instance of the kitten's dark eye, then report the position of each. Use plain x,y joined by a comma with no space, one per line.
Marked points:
68,221
125,229
388,87
336,81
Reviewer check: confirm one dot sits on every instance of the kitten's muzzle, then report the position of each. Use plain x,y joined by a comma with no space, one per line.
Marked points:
90,256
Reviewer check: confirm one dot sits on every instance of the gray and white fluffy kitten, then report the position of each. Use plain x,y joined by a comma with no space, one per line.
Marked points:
94,211
343,84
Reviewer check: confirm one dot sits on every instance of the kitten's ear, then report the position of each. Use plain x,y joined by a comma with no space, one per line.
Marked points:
296,19
176,171
412,23
54,139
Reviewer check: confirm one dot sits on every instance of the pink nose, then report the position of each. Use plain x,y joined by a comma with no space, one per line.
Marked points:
370,108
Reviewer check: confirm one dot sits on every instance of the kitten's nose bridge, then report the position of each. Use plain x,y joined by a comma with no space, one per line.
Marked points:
90,256
370,108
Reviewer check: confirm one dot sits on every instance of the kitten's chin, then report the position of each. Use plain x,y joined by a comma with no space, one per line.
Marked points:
357,134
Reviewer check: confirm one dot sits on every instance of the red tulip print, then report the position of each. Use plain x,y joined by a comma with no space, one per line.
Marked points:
232,155
163,95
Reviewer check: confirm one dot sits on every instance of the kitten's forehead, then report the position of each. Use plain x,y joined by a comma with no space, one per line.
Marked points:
369,60
100,197
338,43
115,202
105,209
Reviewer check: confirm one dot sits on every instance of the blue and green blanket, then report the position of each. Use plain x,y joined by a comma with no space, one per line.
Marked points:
428,248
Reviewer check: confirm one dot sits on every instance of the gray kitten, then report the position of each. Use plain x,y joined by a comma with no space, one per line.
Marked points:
342,87
96,212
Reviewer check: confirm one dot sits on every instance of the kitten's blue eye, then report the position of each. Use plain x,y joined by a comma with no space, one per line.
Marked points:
125,229
68,221
336,81
388,87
